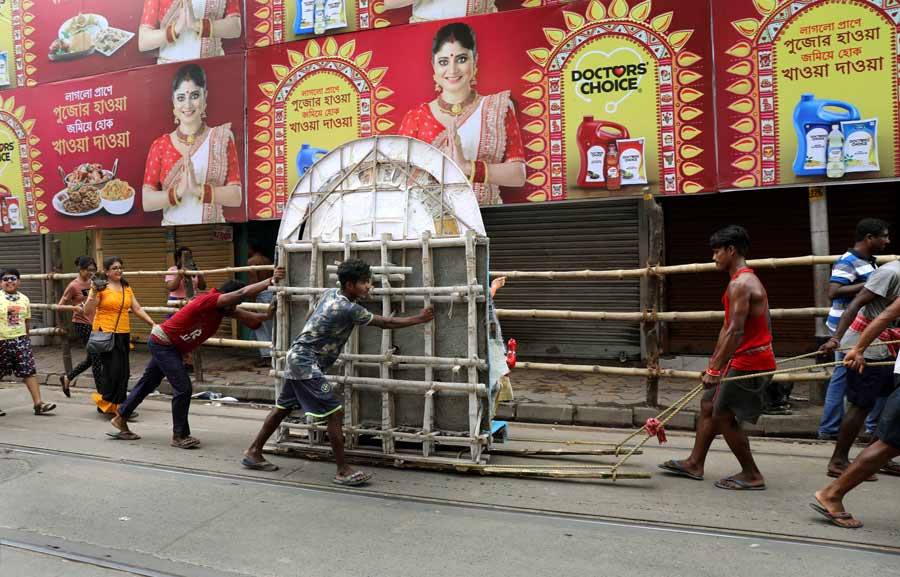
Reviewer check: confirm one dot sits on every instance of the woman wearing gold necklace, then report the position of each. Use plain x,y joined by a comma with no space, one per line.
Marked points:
430,10
479,132
192,172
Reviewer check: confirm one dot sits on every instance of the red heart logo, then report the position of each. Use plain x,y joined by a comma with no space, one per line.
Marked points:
619,70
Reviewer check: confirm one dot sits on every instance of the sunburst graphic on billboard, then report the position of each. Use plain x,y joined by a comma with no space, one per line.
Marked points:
758,134
609,32
328,91
21,65
23,163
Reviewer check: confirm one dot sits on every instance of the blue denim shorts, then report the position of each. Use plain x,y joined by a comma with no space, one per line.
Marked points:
315,396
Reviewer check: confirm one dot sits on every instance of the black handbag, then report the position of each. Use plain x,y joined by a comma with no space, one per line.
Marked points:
100,342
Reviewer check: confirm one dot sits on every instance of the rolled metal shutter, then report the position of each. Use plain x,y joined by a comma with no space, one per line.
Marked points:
26,253
209,253
140,249
568,236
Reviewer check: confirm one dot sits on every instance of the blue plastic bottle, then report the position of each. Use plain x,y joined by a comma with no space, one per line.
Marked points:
308,156
813,119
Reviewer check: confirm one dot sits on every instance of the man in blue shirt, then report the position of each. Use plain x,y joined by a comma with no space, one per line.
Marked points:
848,276
313,353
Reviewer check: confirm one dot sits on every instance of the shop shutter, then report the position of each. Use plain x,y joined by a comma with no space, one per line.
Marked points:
25,252
210,253
568,236
141,249
778,224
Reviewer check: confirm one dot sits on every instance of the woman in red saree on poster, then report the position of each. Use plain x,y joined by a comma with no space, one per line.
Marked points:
430,10
479,132
188,29
192,172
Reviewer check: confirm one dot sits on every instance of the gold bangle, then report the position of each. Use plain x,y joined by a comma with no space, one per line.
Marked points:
471,171
487,174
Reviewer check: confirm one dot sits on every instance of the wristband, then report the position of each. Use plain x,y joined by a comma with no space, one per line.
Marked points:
208,194
713,373
487,174
171,35
479,171
471,175
206,28
173,198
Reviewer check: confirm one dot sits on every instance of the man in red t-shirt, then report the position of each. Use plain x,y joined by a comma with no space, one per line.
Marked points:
182,333
743,349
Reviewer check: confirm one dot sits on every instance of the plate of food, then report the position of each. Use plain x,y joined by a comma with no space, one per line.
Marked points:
117,197
92,24
82,202
79,46
109,40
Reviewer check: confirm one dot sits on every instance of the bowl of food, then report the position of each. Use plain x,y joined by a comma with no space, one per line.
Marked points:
87,174
81,202
117,197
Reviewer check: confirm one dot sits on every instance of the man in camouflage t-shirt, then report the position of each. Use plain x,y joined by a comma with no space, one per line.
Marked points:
313,353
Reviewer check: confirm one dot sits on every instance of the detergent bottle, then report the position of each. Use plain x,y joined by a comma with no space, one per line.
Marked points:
813,119
594,138
308,156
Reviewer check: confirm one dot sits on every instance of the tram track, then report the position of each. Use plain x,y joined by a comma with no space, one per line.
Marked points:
582,519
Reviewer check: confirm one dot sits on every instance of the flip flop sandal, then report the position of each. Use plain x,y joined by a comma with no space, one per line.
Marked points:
354,480
676,468
840,519
258,465
835,475
732,484
186,443
892,469
42,408
66,388
2,413
124,436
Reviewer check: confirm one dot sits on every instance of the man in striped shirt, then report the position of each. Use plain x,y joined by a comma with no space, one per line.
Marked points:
848,276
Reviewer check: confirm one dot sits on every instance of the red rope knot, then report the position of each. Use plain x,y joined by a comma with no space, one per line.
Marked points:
511,347
655,428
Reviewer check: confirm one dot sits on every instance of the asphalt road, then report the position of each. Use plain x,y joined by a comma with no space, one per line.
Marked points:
74,503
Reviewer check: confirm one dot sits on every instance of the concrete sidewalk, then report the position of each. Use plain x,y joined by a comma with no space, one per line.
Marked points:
541,396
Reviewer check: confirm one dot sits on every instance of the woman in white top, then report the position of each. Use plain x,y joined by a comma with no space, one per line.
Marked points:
188,29
429,10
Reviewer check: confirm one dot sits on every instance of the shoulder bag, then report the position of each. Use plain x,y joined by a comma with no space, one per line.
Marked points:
100,342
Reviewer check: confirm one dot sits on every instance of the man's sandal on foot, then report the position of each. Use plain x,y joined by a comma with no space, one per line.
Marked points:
123,436
676,468
185,443
355,479
65,384
891,468
2,413
843,519
263,465
732,484
41,408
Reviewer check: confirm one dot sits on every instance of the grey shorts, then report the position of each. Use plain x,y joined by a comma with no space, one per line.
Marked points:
744,398
315,396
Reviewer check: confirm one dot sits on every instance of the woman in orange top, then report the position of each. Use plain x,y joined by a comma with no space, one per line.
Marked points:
110,302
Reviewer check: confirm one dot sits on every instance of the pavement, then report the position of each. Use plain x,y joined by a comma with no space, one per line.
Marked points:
67,492
540,396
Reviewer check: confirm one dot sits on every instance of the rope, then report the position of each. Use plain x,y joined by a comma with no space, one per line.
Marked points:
659,423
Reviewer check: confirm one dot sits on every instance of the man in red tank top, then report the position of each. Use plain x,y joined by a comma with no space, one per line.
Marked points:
744,348
182,333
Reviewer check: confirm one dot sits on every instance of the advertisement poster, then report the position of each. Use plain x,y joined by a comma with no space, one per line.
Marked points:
276,21
585,100
112,151
50,40
807,91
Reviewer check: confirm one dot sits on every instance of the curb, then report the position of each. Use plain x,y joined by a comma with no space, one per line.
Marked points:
614,416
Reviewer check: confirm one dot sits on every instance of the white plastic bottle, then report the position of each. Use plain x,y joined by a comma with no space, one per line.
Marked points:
835,153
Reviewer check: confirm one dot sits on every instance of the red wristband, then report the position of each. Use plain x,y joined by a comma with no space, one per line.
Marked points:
173,200
207,194
713,372
480,171
206,31
171,36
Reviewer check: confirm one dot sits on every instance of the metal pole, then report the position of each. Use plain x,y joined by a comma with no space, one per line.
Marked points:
818,231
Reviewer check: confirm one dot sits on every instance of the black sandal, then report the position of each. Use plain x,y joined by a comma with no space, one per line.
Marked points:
41,408
66,387
2,413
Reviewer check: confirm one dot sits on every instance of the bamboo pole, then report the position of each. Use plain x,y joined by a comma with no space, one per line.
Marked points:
642,372
46,332
428,335
373,245
425,361
763,263
391,269
472,340
388,290
649,316
133,273
351,396
388,406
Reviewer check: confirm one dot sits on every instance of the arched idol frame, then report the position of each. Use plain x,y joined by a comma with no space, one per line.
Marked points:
377,185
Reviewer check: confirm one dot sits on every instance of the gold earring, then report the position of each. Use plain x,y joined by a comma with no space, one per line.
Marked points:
203,115
474,77
437,87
